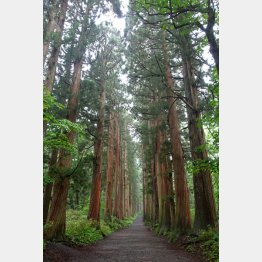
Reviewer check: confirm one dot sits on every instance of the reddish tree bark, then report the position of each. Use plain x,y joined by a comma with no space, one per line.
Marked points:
154,202
57,214
126,179
145,187
49,187
52,61
171,181
52,22
56,218
94,210
118,194
109,169
120,201
144,196
182,216
165,186
117,166
158,169
205,211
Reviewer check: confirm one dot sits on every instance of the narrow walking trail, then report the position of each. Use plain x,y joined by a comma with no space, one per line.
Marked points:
136,243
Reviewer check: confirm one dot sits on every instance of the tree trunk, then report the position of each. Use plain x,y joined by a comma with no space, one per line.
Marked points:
52,61
77,198
165,188
209,31
158,169
57,214
118,196
94,210
49,187
205,211
126,183
56,217
154,203
50,27
145,201
172,191
117,163
121,191
144,198
214,49
84,196
182,216
58,206
109,169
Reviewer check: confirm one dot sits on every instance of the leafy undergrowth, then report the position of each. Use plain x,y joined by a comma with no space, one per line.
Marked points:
205,243
80,231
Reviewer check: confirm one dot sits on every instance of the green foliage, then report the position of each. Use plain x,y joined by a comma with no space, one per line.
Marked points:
208,242
80,231
57,129
200,165
172,236
161,230
47,179
105,228
116,224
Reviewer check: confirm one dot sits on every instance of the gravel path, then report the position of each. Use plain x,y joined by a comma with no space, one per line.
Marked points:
136,243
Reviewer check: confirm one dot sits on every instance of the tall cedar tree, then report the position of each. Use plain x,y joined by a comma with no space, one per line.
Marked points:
56,217
182,215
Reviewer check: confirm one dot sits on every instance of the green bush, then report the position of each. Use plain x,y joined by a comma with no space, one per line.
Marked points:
208,241
105,228
81,231
116,224
76,215
210,245
172,236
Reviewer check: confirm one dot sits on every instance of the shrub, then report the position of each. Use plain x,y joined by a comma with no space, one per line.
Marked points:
105,228
208,242
116,224
81,231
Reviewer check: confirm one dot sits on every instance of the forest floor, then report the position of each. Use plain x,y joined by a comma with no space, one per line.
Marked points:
136,243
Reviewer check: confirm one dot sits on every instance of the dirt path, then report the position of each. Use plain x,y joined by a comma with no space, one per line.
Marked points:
136,243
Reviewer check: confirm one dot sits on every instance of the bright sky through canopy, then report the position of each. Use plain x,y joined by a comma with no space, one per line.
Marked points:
118,23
